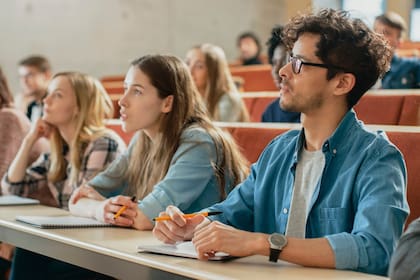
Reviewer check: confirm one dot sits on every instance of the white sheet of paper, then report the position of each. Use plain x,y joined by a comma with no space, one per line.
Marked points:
9,200
183,249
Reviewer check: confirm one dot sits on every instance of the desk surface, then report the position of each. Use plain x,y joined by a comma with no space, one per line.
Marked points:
113,251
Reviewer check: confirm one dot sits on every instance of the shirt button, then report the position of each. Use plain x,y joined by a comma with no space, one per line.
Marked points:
285,210
334,151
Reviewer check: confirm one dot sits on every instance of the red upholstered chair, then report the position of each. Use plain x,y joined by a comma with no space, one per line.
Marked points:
407,143
380,109
410,113
256,77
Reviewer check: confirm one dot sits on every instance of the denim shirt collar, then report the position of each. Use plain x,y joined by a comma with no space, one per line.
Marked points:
336,142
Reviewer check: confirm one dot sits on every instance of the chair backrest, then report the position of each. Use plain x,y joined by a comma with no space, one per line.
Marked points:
383,107
256,77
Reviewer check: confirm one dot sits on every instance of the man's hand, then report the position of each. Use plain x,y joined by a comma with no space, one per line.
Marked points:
178,228
218,237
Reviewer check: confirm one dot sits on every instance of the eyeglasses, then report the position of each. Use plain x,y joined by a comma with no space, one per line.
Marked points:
297,64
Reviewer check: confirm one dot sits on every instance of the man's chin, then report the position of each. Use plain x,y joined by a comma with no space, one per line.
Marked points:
287,107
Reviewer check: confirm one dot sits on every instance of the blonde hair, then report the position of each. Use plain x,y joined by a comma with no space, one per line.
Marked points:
94,106
150,161
219,81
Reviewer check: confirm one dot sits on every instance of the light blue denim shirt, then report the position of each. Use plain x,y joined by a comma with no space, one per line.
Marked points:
359,204
189,184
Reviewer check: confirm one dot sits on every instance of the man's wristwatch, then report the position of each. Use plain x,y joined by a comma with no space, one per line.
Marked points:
277,243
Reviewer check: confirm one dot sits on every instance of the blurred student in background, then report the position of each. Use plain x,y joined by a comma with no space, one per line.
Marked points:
14,125
211,75
35,74
404,72
278,57
250,49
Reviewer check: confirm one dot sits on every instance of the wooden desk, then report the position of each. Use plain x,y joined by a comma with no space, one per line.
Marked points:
112,251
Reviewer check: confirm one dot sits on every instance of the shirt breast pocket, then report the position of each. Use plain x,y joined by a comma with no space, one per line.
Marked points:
332,220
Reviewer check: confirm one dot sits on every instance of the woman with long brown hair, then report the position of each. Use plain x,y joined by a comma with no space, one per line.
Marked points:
177,156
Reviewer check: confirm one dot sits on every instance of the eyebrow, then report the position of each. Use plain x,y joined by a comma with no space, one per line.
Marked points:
56,89
300,56
133,85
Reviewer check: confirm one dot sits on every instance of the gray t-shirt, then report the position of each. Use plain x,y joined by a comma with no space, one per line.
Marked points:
308,172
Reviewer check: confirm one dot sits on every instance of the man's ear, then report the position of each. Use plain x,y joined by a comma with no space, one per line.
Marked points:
167,104
345,84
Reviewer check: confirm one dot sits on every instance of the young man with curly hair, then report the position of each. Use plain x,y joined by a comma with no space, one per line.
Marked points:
330,195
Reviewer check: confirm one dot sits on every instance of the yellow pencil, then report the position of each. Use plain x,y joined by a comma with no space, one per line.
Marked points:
122,209
205,214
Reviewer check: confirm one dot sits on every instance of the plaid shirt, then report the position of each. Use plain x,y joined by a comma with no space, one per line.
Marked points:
98,154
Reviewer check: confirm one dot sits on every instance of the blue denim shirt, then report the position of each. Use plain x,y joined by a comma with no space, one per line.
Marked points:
359,204
404,74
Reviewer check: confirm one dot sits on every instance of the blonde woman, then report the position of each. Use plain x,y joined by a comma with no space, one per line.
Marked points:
73,119
211,75
81,146
177,156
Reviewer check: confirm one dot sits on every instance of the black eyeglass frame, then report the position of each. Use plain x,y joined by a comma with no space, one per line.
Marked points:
297,61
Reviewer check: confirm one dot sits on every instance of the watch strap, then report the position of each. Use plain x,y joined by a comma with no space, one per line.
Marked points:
274,254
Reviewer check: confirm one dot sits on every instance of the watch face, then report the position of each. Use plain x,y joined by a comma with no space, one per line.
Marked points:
277,241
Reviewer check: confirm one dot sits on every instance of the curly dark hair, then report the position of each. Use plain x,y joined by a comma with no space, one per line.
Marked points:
274,41
344,42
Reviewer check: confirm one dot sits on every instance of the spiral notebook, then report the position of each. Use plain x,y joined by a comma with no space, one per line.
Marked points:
183,249
51,222
13,200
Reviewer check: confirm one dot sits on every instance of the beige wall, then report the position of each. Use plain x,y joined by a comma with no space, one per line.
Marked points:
101,37
402,7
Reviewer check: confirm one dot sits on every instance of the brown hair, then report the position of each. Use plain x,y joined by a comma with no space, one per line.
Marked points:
37,61
149,162
393,20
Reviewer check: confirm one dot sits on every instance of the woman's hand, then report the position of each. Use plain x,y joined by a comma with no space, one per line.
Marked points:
122,205
85,191
39,129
